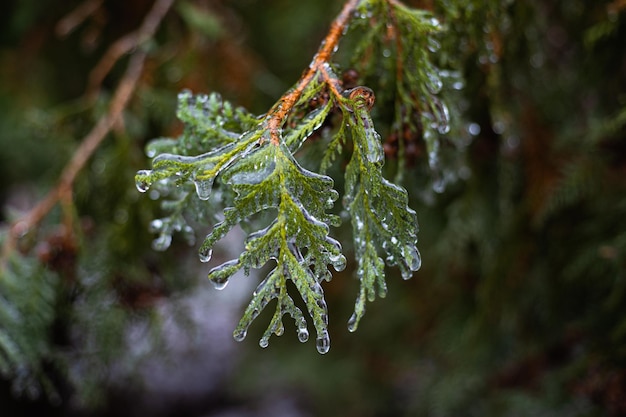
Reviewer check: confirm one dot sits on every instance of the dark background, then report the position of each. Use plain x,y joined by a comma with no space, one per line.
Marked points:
519,308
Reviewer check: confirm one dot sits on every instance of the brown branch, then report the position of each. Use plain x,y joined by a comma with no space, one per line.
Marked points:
322,57
63,191
127,43
77,16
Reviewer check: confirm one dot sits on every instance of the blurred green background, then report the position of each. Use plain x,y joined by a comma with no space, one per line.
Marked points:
519,308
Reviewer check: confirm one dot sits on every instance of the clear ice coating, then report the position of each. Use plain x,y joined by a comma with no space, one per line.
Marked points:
156,226
323,342
444,118
162,242
142,181
303,334
375,152
433,45
280,329
204,254
203,188
220,282
240,334
256,175
353,323
413,260
264,342
434,83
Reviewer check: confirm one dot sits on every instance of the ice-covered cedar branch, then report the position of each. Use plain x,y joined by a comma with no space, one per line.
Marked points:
250,161
297,240
406,39
381,218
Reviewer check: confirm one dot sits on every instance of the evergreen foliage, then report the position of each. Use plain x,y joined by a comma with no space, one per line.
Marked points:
501,123
254,160
26,321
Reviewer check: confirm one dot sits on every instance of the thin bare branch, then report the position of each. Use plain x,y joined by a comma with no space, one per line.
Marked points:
77,16
126,44
121,98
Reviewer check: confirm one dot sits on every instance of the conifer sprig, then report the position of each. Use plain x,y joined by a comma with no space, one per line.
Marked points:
252,159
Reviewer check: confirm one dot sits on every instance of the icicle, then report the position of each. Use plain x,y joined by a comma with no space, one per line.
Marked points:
412,259
219,275
280,329
434,83
205,254
162,242
142,181
444,118
264,342
203,188
375,152
353,322
155,226
323,342
220,283
239,334
338,261
303,332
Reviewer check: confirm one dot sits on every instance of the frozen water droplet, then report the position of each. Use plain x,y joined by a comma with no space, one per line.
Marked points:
394,240
439,185
353,323
239,334
358,222
413,260
433,45
317,289
391,260
434,83
338,262
323,343
444,119
303,334
220,283
156,226
375,151
473,129
264,342
328,276
203,188
280,329
142,181
162,242
205,254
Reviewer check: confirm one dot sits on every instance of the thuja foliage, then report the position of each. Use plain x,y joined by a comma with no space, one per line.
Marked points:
230,167
26,319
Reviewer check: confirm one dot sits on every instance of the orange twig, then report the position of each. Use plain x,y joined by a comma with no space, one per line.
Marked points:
325,52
